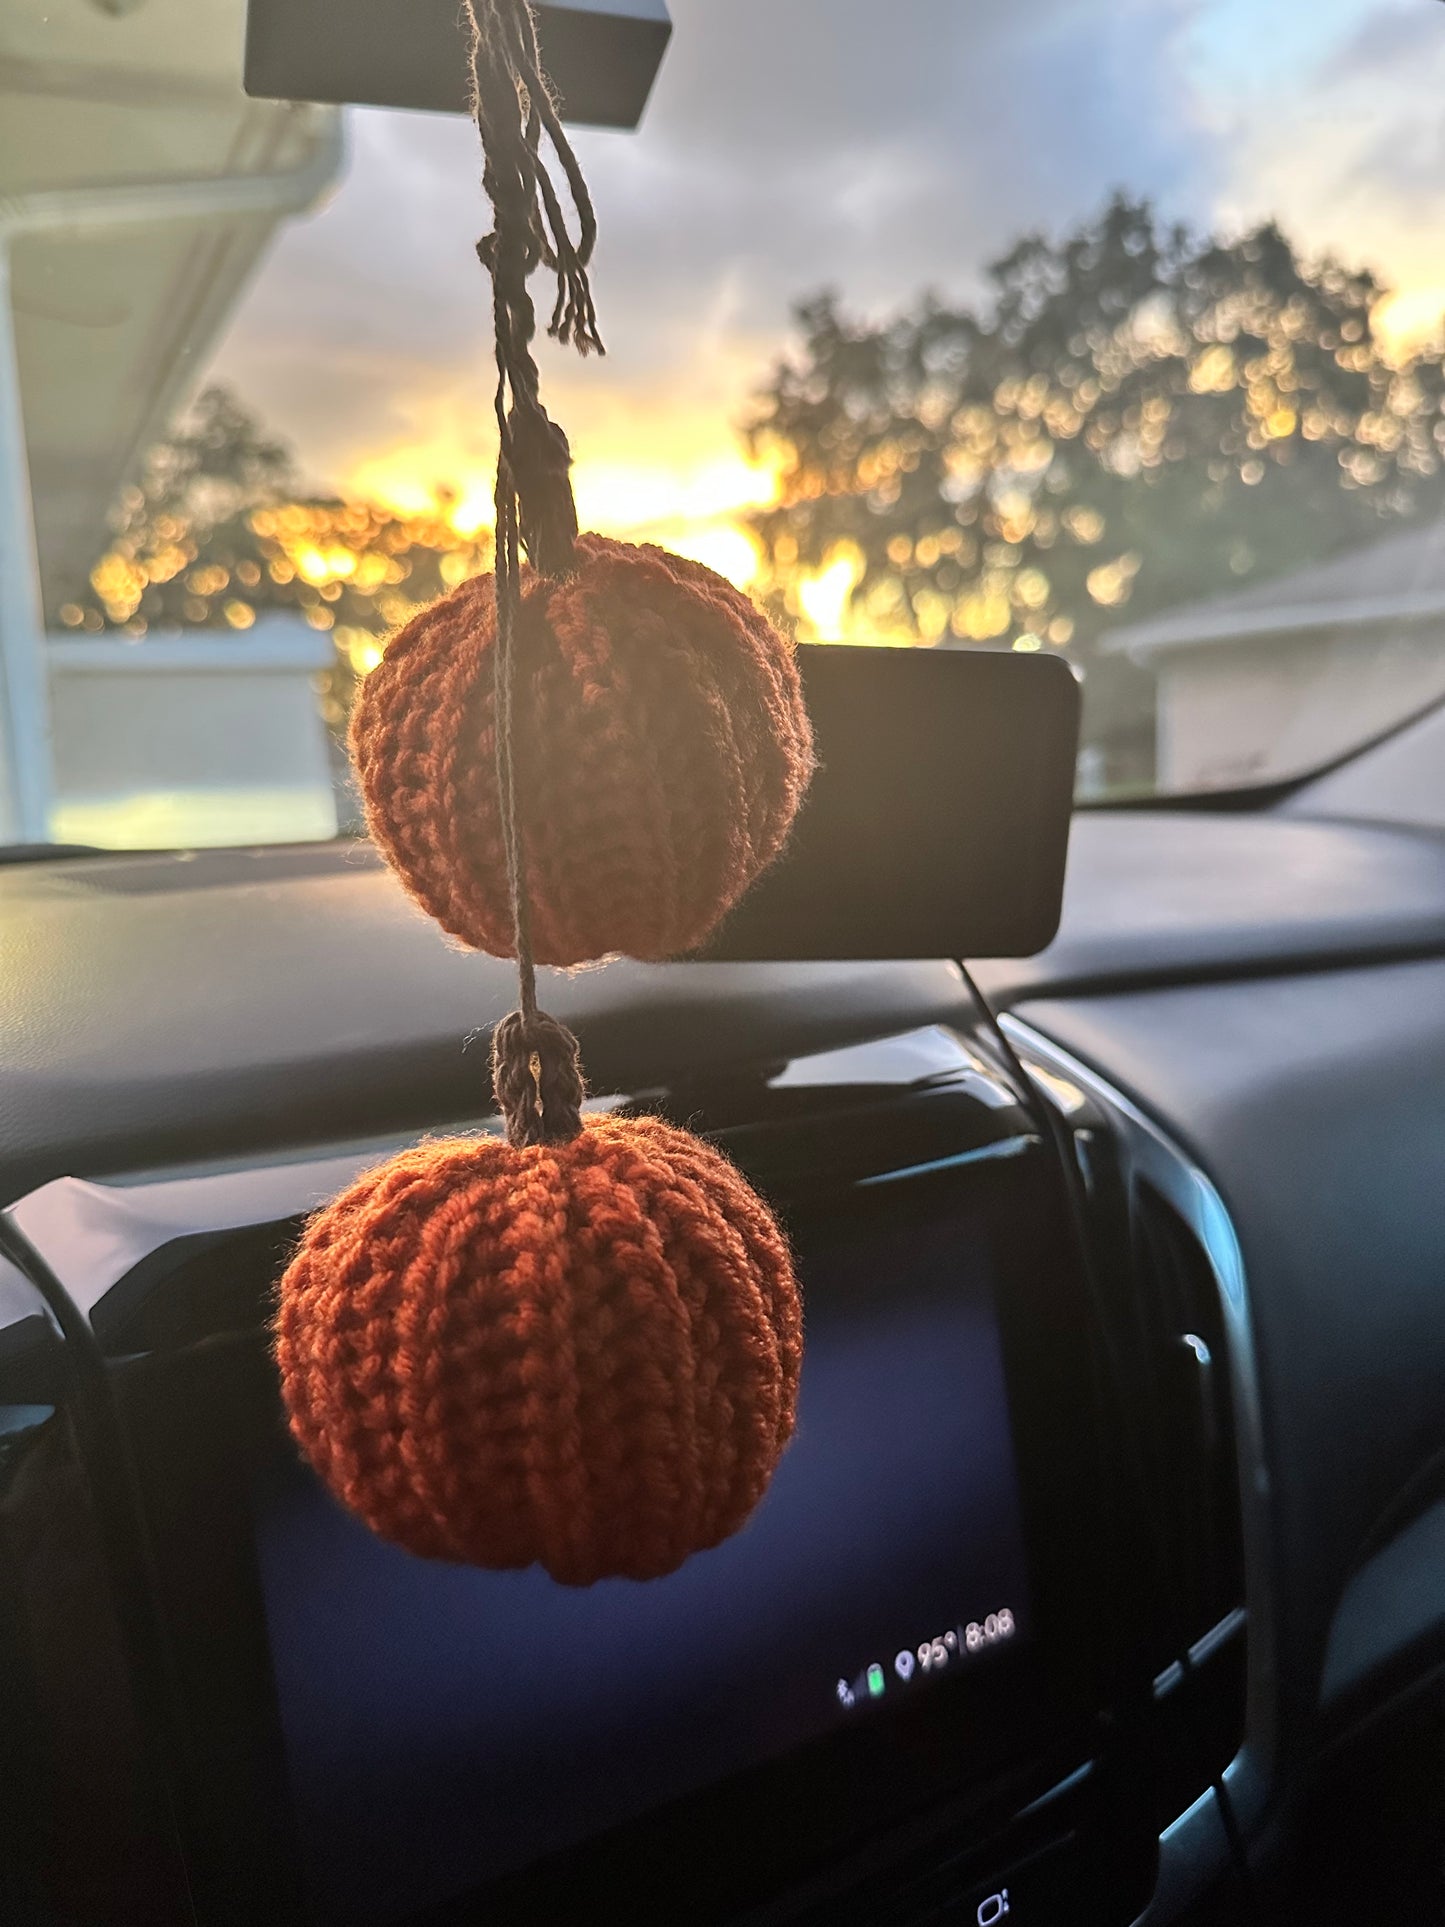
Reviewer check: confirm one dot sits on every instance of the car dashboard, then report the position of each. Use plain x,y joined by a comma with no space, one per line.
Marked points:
1116,1501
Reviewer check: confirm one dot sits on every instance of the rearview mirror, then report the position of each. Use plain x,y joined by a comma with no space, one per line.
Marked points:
602,55
937,824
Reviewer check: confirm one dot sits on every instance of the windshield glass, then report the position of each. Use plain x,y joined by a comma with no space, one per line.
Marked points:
1105,330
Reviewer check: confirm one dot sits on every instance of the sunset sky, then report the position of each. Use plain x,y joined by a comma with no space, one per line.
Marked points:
794,144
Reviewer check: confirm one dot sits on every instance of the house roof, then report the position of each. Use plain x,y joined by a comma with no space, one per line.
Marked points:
119,291
1401,579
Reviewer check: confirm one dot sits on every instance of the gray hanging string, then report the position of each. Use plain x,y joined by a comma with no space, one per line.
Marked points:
536,1063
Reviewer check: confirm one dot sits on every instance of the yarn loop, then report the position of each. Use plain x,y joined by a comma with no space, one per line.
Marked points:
537,1078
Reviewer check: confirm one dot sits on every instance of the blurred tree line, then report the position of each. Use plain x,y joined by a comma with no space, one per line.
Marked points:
1134,418
218,530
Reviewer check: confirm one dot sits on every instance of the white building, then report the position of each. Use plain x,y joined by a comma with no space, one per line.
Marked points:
138,188
193,739
1283,677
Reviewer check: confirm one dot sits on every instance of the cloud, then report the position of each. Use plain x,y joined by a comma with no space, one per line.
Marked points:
797,144
790,144
1348,148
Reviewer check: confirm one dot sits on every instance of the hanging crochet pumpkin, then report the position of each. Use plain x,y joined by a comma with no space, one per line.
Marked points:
578,1348
662,752
581,1356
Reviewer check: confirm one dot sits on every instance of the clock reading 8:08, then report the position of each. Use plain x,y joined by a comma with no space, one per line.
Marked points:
979,1633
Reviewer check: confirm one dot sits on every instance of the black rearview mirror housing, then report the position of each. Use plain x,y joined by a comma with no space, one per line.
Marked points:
602,55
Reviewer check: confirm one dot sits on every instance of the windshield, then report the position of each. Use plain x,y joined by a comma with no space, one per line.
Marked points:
1105,330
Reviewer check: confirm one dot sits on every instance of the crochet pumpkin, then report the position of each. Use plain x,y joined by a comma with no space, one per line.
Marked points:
581,1356
579,1348
662,752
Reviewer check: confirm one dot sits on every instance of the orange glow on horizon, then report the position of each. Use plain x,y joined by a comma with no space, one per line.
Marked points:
825,597
691,500
1410,320
684,484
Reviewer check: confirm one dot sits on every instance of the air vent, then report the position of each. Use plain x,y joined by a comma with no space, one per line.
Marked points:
1194,1456
1200,1673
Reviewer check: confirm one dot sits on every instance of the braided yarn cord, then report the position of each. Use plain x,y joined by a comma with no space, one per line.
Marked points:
583,1356
663,750
579,1347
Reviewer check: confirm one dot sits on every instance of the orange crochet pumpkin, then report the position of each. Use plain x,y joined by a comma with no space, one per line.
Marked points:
662,751
583,1356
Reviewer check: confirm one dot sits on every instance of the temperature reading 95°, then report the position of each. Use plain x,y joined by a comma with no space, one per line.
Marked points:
912,1662
979,1634
975,1637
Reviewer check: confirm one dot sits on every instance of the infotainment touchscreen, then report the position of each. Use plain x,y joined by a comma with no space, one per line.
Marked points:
443,1726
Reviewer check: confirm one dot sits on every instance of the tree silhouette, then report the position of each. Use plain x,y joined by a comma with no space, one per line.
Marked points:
218,531
1135,418
215,463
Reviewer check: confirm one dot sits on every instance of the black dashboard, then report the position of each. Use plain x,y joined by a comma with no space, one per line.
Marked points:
1198,1542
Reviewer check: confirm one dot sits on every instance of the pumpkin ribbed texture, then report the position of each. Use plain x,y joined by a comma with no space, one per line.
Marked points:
662,750
583,1356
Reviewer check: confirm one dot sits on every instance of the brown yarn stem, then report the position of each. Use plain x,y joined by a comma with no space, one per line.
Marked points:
536,1063
537,1078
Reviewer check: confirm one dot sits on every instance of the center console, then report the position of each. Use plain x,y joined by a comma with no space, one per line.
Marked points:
930,1681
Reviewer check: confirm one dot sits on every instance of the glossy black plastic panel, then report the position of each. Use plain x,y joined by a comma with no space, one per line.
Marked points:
1315,1104
88,1832
937,824
602,55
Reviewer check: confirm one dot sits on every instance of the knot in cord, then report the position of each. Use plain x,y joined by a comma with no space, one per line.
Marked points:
537,1078
536,1068
540,460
